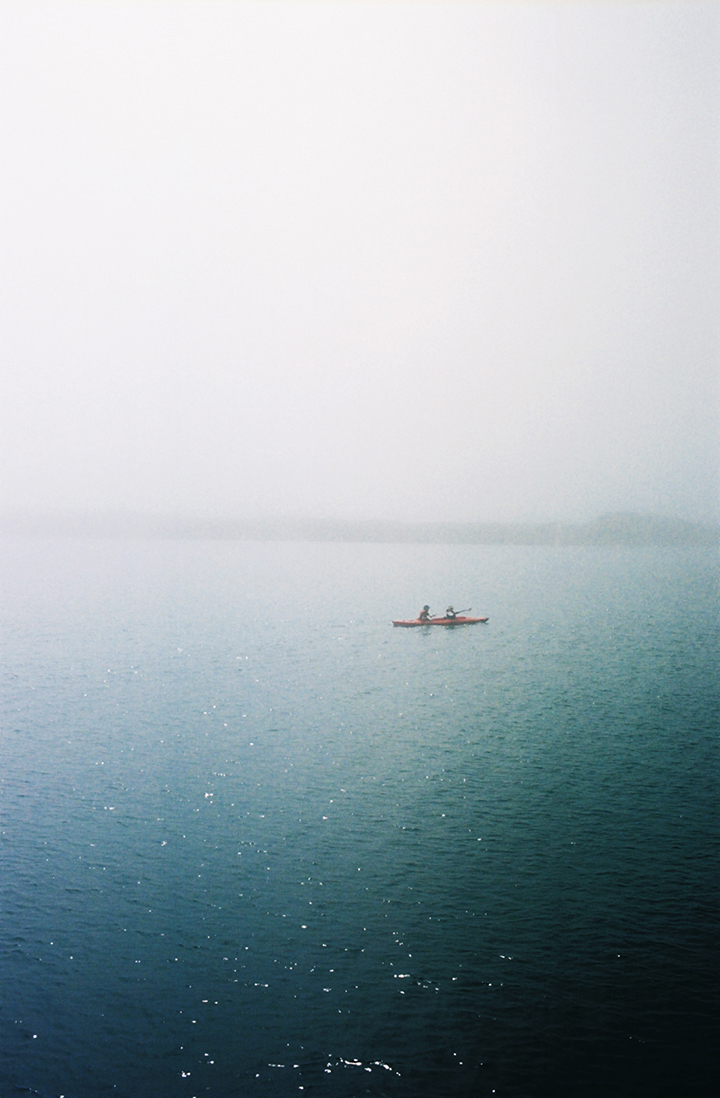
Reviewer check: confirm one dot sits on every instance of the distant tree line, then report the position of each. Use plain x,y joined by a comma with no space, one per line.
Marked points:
617,528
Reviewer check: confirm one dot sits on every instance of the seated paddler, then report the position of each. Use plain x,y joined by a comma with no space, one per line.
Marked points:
424,614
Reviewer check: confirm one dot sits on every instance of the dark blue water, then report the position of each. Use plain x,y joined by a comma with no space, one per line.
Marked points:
255,841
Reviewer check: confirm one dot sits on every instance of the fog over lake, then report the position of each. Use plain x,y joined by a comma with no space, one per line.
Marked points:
315,314
375,261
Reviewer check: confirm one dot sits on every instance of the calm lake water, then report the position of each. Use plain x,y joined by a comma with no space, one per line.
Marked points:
257,842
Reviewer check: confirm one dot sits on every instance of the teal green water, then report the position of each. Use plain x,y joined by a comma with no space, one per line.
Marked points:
255,841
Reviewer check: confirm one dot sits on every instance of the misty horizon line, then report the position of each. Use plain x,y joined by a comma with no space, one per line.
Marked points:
613,527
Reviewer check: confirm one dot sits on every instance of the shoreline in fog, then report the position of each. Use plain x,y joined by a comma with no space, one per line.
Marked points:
616,528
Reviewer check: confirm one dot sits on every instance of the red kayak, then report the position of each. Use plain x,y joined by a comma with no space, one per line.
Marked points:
459,620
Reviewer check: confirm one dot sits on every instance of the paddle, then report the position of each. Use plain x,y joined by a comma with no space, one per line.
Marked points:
465,611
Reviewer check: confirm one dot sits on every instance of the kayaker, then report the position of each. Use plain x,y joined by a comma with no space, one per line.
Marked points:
424,614
450,612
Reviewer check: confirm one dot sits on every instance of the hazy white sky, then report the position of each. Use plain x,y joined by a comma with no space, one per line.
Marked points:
374,259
